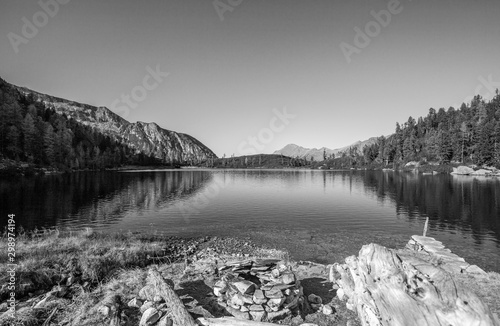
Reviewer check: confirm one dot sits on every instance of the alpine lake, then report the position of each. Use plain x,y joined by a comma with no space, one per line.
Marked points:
322,216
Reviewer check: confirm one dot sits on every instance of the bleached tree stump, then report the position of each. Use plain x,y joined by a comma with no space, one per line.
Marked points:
386,289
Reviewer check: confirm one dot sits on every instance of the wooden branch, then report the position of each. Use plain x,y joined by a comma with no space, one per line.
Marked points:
385,289
47,321
231,321
180,315
426,226
115,320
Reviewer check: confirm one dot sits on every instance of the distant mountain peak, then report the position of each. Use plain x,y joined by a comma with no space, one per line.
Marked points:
294,150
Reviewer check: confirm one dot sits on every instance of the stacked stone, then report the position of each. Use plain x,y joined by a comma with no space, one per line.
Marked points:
153,308
259,290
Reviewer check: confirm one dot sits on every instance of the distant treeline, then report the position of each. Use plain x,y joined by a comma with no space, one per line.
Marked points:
256,161
31,132
469,135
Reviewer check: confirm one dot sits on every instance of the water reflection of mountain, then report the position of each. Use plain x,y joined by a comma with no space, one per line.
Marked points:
79,199
467,203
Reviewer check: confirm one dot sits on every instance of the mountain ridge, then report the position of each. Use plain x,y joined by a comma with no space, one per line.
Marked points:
294,150
146,137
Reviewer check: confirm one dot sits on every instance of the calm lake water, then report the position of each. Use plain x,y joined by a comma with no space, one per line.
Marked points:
317,215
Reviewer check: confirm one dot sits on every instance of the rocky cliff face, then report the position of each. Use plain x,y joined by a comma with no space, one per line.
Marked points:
148,138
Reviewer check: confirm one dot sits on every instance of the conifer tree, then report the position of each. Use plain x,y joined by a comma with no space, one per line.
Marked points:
29,133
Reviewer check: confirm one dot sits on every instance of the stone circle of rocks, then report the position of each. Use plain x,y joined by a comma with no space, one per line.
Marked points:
259,290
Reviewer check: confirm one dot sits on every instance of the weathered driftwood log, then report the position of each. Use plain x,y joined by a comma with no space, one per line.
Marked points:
231,321
438,254
180,315
388,290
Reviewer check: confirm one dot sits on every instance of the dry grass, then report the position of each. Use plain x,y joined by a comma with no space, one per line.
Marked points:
84,308
92,257
101,264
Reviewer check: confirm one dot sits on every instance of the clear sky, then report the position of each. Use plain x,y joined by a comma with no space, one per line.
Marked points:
226,76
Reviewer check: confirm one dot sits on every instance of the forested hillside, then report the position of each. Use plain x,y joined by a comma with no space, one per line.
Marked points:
32,132
469,135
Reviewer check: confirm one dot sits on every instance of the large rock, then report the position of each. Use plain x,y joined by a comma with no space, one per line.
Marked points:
258,297
150,317
481,172
245,287
462,170
220,287
412,163
146,305
258,315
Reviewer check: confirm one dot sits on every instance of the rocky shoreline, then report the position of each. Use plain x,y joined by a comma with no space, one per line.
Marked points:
465,170
12,168
85,278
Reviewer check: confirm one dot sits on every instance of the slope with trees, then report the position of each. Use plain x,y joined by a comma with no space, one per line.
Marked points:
34,133
469,135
